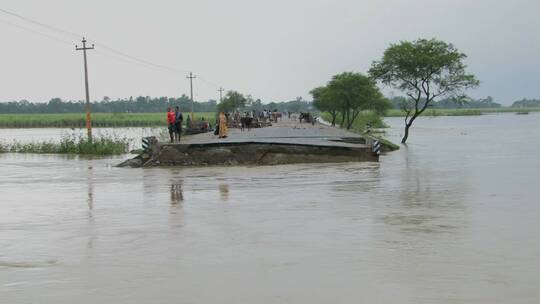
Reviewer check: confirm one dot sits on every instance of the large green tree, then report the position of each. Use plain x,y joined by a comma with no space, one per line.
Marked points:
323,102
348,94
232,101
425,70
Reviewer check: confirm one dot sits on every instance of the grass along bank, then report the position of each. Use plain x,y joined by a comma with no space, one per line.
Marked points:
103,120
463,112
71,144
113,120
364,118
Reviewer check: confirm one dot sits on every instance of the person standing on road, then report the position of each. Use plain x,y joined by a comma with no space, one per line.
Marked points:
178,120
171,120
223,130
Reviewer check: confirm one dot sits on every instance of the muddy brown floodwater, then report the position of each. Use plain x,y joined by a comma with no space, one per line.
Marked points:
452,218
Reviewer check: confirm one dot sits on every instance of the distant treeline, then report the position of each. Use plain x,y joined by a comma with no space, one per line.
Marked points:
139,104
452,103
143,104
146,104
526,103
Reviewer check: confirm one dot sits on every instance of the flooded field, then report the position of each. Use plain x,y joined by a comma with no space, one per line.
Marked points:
8,136
452,218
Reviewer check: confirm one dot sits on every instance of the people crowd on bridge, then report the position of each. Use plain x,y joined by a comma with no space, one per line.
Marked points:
224,121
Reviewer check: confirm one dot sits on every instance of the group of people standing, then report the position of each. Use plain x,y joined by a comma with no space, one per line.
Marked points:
174,122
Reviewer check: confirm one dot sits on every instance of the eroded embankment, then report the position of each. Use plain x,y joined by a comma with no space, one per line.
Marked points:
248,153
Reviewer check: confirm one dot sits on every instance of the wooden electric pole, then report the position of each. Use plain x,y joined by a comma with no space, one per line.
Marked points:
191,77
221,94
88,115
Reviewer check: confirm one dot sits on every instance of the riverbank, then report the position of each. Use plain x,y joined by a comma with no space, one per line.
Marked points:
463,112
284,142
359,127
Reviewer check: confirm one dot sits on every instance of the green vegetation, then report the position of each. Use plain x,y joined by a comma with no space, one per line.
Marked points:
346,96
71,144
359,126
111,120
526,103
364,118
462,112
386,143
77,120
353,101
425,70
438,112
232,101
144,104
141,104
452,103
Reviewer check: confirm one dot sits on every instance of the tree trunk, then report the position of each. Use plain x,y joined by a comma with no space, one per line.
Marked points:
352,119
349,124
404,139
407,126
334,116
410,122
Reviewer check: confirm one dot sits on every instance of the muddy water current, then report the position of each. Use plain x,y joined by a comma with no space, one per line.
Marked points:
454,217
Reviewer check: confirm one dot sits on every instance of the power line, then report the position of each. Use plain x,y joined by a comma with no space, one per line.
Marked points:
127,60
63,41
36,32
50,27
102,45
209,82
106,54
138,59
119,54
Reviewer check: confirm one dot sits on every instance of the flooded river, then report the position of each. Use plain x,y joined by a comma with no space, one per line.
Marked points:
452,218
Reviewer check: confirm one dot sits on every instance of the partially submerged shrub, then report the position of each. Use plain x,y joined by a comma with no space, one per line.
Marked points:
72,144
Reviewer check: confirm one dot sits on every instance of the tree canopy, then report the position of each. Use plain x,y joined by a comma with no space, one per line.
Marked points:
348,94
232,101
324,103
424,70
526,103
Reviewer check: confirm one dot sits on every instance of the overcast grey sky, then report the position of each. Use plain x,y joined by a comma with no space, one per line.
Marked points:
275,50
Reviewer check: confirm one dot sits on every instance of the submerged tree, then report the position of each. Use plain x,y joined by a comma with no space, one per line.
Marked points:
425,70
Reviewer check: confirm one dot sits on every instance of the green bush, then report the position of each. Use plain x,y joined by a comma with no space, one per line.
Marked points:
72,144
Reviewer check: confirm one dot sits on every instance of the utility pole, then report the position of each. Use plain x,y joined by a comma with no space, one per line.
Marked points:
221,94
191,77
88,115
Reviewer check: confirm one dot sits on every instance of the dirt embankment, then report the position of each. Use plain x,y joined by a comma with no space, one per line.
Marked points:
248,153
